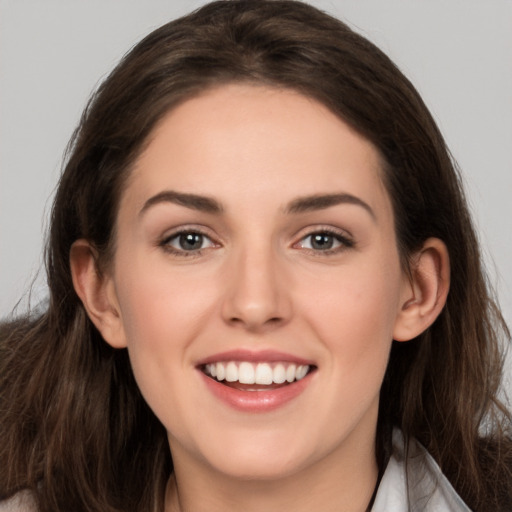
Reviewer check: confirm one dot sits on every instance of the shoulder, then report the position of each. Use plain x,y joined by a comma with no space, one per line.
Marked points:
21,502
414,482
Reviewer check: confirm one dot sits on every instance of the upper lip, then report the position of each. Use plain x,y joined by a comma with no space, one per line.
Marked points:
260,356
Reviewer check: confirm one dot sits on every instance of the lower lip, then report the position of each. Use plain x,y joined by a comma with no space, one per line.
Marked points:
256,401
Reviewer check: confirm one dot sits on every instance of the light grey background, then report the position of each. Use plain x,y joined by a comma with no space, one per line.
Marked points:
53,52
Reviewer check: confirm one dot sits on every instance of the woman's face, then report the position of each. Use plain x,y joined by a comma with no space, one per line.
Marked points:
255,242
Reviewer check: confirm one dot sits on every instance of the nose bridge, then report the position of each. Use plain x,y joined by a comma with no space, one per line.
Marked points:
256,295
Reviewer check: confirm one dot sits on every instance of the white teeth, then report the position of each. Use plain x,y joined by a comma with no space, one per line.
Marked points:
279,374
231,372
290,373
301,372
246,373
220,370
262,373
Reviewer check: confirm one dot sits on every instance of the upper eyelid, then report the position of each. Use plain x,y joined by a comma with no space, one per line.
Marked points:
176,234
193,228
165,244
311,230
345,239
219,240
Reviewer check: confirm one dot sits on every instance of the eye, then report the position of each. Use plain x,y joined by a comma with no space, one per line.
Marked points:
325,241
187,241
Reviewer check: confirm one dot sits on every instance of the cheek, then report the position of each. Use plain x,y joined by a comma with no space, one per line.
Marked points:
352,314
355,312
161,318
162,313
161,307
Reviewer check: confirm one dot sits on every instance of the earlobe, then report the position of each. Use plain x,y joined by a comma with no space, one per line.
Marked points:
97,293
424,295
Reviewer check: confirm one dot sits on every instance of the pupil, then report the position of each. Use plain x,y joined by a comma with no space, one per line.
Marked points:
322,241
191,241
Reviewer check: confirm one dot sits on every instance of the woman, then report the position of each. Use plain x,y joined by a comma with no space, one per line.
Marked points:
263,279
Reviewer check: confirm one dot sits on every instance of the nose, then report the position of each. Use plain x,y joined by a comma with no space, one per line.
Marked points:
258,295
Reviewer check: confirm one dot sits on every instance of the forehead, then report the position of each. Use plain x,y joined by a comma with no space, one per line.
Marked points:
252,141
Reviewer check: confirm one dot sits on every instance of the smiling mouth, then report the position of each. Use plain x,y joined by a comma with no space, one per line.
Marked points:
247,376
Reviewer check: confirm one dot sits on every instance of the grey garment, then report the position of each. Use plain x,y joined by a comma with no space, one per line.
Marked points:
418,486
429,489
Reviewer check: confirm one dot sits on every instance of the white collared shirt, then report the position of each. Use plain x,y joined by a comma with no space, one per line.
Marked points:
429,489
415,486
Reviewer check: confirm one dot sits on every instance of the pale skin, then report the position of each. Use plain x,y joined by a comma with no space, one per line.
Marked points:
241,168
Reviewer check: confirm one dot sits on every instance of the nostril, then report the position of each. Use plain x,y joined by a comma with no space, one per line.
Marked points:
255,322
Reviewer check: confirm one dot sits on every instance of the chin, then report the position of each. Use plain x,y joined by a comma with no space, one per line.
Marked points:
260,468
260,455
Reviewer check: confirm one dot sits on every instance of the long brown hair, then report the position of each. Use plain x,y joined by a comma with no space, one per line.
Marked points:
74,427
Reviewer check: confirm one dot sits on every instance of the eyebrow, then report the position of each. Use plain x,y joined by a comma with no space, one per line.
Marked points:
323,201
300,205
192,201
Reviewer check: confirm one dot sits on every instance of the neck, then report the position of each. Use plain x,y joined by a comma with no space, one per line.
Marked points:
328,485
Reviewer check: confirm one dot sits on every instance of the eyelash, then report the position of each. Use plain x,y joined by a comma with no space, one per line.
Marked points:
165,243
344,241
341,237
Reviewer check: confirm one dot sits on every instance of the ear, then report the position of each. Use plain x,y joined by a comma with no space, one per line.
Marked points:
424,294
97,293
